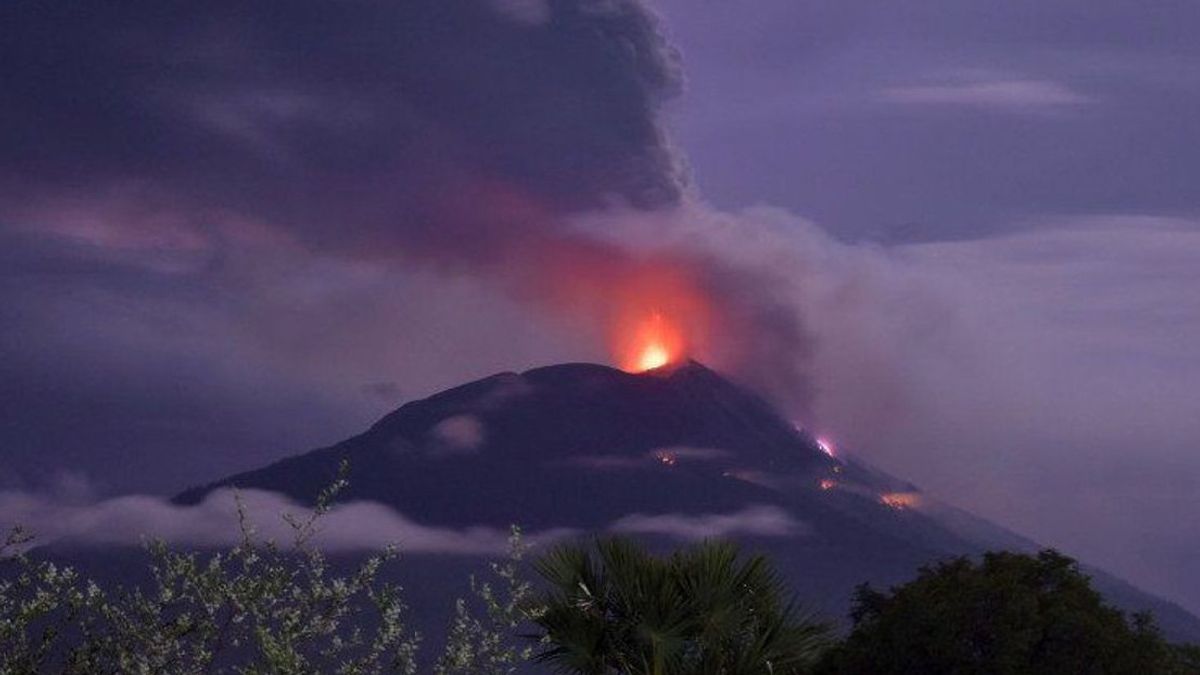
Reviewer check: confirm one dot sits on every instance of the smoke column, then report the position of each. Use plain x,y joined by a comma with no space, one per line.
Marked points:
465,135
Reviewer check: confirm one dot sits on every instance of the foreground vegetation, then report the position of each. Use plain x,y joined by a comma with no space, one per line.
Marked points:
704,610
1007,614
611,607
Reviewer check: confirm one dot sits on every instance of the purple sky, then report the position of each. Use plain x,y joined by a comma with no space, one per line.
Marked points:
967,232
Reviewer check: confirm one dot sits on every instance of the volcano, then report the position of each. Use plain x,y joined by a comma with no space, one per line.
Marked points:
671,454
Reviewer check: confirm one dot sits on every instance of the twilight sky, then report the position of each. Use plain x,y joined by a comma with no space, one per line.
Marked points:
962,238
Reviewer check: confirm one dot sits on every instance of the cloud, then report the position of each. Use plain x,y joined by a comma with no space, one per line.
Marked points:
608,462
1043,379
303,199
763,521
680,452
352,526
1030,377
458,434
131,519
651,459
408,124
1010,95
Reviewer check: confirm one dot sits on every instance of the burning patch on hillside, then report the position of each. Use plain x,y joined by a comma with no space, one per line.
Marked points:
900,501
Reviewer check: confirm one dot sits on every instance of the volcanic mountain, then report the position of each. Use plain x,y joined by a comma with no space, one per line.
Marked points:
673,453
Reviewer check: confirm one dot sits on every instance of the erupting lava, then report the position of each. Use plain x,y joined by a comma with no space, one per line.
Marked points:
659,316
653,356
655,352
654,343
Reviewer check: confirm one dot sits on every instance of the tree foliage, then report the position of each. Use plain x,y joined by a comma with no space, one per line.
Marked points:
1007,614
487,642
702,611
255,608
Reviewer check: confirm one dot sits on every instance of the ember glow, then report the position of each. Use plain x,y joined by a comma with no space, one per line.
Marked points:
655,342
827,484
659,315
667,458
900,501
654,355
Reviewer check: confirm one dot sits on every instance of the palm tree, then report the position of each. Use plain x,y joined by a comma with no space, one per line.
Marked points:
701,611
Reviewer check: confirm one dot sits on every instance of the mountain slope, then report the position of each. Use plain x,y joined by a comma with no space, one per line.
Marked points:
668,453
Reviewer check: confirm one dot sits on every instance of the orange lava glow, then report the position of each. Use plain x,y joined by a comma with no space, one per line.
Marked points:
653,356
655,343
660,316
900,500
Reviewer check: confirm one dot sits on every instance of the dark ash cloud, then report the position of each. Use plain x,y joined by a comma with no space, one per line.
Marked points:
356,125
202,203
238,185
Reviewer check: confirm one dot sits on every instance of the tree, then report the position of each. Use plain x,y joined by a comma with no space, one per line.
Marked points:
255,608
1009,613
485,642
701,611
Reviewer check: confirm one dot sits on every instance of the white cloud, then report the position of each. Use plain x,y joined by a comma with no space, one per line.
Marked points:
362,525
1007,94
352,526
681,452
458,434
607,462
1043,378
766,521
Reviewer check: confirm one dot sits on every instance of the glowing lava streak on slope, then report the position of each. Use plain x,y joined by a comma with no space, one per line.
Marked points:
900,501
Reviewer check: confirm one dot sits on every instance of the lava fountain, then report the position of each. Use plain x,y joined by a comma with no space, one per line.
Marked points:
659,315
654,343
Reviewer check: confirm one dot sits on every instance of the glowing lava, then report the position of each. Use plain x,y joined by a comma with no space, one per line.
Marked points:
652,343
658,315
667,458
900,501
653,356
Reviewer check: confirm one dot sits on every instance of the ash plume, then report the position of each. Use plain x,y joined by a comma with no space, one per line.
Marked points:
462,135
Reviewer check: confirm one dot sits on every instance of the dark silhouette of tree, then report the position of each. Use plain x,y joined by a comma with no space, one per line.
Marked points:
704,610
1009,613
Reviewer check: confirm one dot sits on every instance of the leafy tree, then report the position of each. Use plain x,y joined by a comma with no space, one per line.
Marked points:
256,608
701,611
1009,613
486,643
38,603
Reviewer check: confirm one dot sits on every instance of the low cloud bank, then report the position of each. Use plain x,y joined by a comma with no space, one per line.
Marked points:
759,520
132,519
214,522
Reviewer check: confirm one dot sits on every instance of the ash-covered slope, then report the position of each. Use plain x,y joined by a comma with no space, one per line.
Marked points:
591,448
